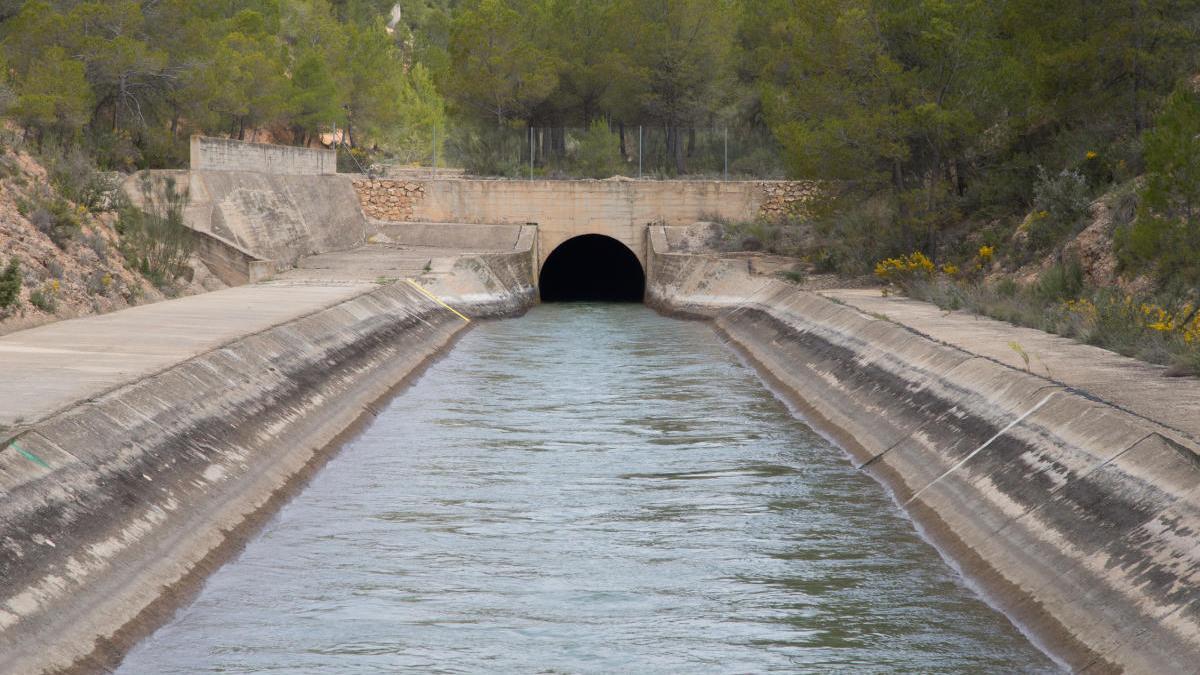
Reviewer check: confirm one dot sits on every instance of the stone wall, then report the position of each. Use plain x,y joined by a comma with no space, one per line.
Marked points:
785,198
222,154
389,199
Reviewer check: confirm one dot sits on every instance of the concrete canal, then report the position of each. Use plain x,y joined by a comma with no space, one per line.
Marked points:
593,487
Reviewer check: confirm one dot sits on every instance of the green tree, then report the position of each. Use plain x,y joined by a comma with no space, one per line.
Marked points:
371,79
497,70
1166,234
10,284
54,96
314,96
680,52
421,118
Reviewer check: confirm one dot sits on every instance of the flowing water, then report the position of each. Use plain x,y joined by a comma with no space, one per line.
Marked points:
591,488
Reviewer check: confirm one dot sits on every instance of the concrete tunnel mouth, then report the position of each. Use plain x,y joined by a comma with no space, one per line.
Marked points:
592,268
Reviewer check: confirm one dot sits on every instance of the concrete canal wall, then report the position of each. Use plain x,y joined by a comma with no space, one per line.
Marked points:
1078,519
114,507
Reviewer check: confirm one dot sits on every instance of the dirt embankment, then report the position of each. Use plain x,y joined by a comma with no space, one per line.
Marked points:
70,258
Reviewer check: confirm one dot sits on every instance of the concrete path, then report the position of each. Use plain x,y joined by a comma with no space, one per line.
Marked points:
1128,383
49,368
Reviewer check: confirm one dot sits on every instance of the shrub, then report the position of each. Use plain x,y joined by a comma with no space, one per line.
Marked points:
45,297
1062,281
1165,237
10,284
99,282
1060,204
487,151
76,178
905,270
598,153
154,238
853,232
98,244
52,215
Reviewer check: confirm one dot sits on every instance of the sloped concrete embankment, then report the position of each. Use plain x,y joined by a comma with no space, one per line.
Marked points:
488,285
113,508
1079,520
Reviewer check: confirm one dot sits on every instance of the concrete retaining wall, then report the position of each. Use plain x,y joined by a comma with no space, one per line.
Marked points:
110,510
1079,520
223,154
604,202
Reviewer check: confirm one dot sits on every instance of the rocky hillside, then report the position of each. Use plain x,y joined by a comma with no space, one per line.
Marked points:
69,257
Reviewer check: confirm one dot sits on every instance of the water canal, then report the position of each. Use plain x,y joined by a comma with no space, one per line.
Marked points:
592,488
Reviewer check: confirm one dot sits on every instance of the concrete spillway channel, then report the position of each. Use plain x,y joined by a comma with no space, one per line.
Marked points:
139,449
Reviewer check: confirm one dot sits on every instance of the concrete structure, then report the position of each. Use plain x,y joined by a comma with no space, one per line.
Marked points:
222,154
1077,517
138,448
620,209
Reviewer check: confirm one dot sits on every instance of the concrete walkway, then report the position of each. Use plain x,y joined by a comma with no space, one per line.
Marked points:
1134,385
49,368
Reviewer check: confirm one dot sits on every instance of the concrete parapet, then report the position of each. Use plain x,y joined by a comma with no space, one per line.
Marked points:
1078,519
223,154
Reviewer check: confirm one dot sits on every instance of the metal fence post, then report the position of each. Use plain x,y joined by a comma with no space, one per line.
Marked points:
531,153
434,130
641,151
726,153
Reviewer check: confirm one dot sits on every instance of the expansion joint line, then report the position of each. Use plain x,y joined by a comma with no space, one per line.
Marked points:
983,447
436,299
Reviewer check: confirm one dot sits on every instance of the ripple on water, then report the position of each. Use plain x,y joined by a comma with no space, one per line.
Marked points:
591,488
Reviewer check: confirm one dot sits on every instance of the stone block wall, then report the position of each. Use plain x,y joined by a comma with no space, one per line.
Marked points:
785,198
222,154
391,200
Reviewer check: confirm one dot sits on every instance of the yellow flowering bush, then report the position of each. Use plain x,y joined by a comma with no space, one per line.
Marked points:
905,269
1181,324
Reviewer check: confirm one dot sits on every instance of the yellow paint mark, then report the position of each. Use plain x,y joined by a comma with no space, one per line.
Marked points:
436,299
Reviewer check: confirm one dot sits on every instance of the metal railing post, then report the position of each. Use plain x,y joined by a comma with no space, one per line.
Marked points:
641,150
726,153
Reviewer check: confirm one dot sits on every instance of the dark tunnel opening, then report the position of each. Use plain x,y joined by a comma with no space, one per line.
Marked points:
592,267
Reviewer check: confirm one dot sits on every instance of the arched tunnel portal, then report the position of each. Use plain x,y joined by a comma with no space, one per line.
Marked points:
592,267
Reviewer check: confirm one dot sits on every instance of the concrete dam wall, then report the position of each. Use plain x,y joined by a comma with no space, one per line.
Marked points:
1075,517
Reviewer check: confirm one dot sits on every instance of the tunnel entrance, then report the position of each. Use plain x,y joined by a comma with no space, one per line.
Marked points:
592,267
